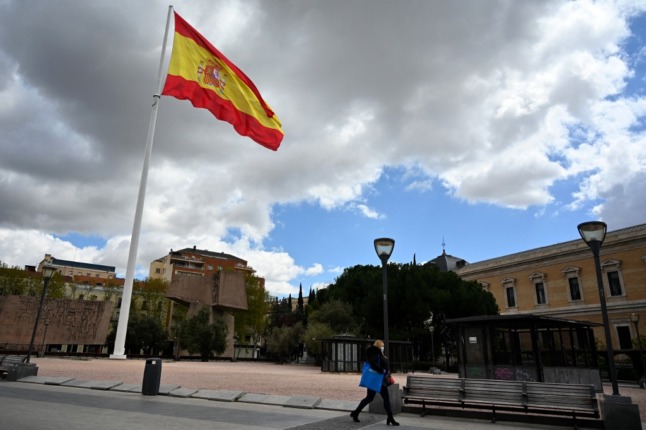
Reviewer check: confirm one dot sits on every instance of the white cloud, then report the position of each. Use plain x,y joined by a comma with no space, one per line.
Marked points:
497,104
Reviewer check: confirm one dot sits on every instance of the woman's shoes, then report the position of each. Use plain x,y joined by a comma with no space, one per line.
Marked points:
392,421
355,416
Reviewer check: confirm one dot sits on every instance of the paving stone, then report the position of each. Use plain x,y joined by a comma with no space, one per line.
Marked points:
182,392
103,385
76,383
276,400
164,390
221,395
127,388
34,379
337,405
56,380
303,402
254,398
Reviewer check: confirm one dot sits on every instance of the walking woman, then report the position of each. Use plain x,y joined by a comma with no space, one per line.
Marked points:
379,363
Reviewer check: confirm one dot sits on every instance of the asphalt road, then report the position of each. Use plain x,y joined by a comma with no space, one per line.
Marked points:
37,407
28,406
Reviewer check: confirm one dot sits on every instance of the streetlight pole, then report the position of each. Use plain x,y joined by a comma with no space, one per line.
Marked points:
48,272
384,248
635,319
42,346
593,234
431,328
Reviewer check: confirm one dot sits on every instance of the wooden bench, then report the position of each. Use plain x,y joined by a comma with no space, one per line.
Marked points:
515,397
423,390
9,361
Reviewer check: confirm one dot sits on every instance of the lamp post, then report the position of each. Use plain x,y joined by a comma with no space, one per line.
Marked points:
48,272
42,346
384,248
429,325
593,234
635,320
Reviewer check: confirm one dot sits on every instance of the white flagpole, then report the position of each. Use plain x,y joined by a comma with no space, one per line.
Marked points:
120,341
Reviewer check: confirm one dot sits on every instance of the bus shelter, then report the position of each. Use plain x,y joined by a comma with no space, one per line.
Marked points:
347,353
527,348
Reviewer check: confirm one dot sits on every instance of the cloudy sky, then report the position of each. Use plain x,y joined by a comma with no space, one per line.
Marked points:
489,126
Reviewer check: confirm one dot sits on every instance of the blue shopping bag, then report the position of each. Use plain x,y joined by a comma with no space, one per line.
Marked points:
370,378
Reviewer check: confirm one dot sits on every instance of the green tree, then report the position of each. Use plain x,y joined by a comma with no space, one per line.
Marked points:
283,342
198,335
254,320
151,296
144,334
110,289
56,287
13,281
337,315
414,291
313,335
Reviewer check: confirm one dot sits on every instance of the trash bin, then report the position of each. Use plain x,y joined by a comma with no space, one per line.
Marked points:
152,377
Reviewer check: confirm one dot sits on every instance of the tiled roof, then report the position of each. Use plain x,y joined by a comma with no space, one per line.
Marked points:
559,248
80,265
206,253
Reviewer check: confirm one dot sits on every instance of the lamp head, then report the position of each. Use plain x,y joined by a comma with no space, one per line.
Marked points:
593,232
634,317
48,271
384,248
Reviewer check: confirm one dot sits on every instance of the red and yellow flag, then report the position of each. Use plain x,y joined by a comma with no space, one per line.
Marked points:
200,73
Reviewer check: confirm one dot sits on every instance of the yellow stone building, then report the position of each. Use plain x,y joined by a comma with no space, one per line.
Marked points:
560,281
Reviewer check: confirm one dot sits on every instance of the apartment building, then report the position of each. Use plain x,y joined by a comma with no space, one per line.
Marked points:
85,271
195,262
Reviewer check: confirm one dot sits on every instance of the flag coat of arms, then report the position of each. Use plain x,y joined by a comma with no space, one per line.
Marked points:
198,72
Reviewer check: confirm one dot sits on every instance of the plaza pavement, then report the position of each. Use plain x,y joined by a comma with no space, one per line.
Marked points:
298,396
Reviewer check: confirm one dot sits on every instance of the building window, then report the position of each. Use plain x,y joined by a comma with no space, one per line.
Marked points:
158,270
575,290
509,285
574,286
540,293
612,269
511,297
614,283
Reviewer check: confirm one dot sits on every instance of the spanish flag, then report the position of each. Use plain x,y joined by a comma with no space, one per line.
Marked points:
200,73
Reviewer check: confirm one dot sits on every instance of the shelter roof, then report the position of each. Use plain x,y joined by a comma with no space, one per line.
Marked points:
520,321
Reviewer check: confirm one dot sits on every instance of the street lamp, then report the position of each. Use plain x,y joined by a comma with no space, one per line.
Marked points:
635,320
384,248
48,272
593,233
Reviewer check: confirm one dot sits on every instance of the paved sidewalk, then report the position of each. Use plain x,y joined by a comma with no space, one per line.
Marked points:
300,388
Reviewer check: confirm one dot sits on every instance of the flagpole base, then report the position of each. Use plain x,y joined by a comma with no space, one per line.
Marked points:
117,357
